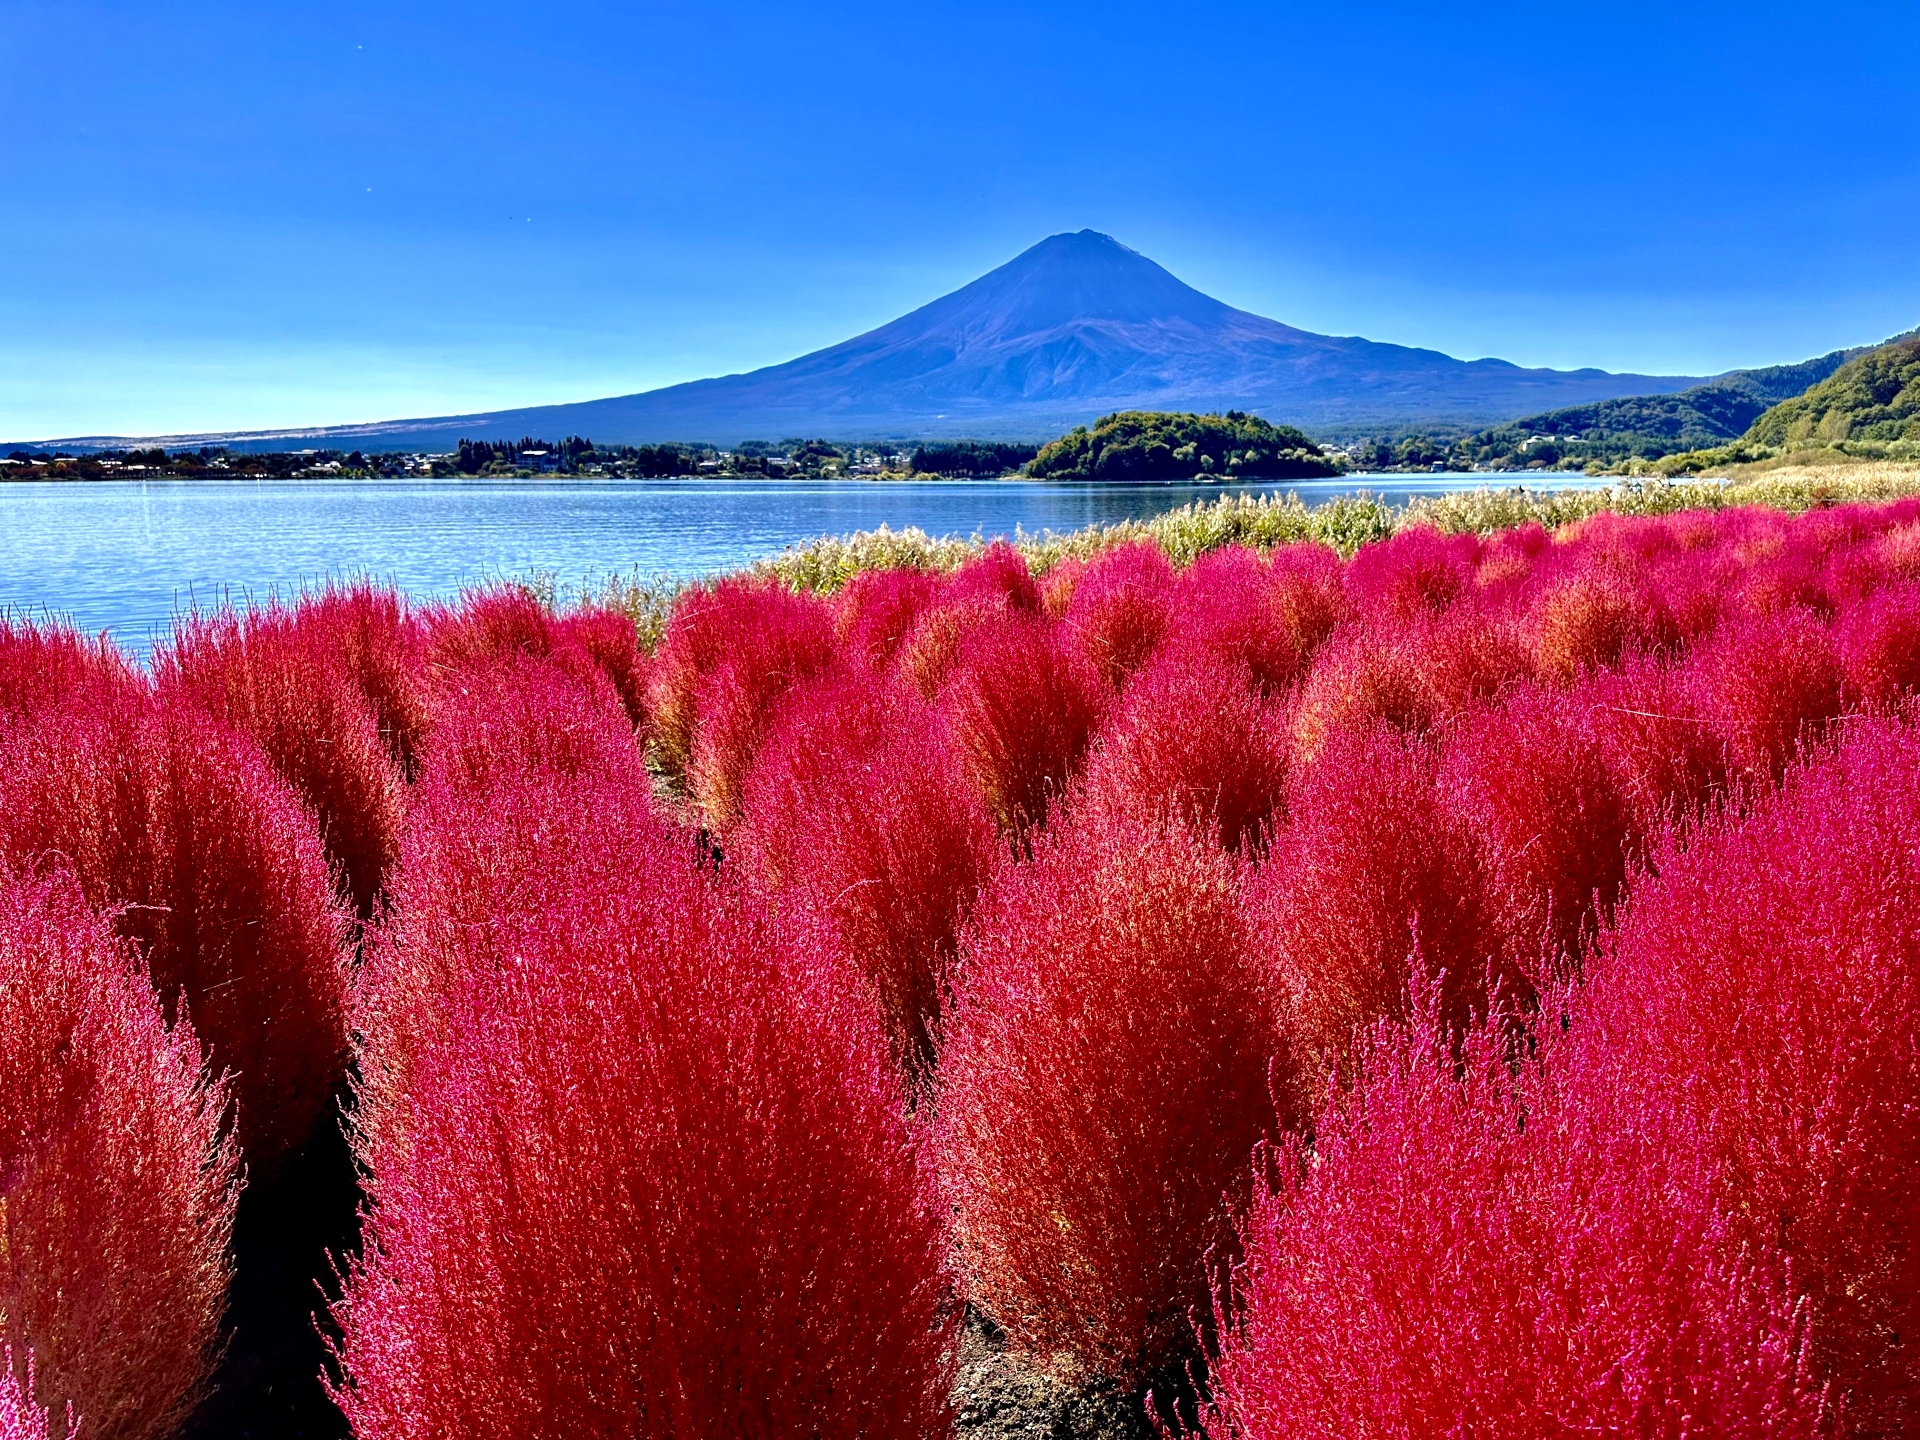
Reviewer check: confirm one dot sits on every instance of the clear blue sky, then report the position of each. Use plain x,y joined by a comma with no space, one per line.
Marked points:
236,215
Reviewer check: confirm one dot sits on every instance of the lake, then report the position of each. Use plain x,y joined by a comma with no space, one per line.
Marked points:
123,556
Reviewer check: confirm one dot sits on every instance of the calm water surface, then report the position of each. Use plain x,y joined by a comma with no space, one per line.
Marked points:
123,556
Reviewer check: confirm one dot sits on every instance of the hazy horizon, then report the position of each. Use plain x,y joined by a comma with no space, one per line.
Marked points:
226,220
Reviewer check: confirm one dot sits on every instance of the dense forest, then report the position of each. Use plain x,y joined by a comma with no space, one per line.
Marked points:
1142,446
1873,398
971,457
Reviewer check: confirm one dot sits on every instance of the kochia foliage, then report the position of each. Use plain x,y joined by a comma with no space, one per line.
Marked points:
117,1181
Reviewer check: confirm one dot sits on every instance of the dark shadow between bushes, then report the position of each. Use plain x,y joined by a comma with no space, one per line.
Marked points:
286,1232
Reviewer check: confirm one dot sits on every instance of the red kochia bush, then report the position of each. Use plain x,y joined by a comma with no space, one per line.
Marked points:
116,1184
1416,572
20,1417
1592,617
1365,676
516,714
609,639
1368,870
488,623
729,653
531,773
1651,725
654,1179
370,631
1463,657
876,609
1120,608
1879,645
859,810
1308,594
271,677
999,574
1104,1078
1023,702
1766,683
180,820
502,622
1529,783
994,584
1462,1256
1228,605
40,665
1760,1003
1193,741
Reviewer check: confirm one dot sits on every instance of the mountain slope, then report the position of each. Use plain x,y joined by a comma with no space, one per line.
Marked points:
1649,426
1075,327
1874,397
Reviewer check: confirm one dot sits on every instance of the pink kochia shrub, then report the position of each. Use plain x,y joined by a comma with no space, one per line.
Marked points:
1224,607
1193,740
858,810
1023,703
180,825
1768,683
517,713
40,666
1369,870
1462,1253
271,677
1759,1005
1105,1074
996,583
528,774
506,622
1416,573
117,1183
876,609
1879,646
645,1172
730,652
1528,783
383,646
1120,608
20,1417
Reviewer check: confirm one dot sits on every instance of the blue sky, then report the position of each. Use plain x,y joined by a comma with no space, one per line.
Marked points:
240,215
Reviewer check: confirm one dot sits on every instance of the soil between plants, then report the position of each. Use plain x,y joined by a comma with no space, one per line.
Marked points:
1002,1396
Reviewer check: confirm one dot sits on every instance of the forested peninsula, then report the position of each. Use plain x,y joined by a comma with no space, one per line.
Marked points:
1147,446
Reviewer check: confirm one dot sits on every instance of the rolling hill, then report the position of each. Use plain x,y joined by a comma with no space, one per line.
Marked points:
1873,398
1075,327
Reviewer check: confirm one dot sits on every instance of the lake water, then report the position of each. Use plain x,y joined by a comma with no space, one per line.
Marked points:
123,556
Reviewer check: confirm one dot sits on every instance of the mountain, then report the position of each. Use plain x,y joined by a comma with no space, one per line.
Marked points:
1872,398
1646,427
1703,415
1075,327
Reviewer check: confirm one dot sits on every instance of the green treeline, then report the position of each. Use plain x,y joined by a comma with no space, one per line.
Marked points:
971,457
1137,446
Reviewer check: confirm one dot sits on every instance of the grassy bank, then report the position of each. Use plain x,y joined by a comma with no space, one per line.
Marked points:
1350,522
